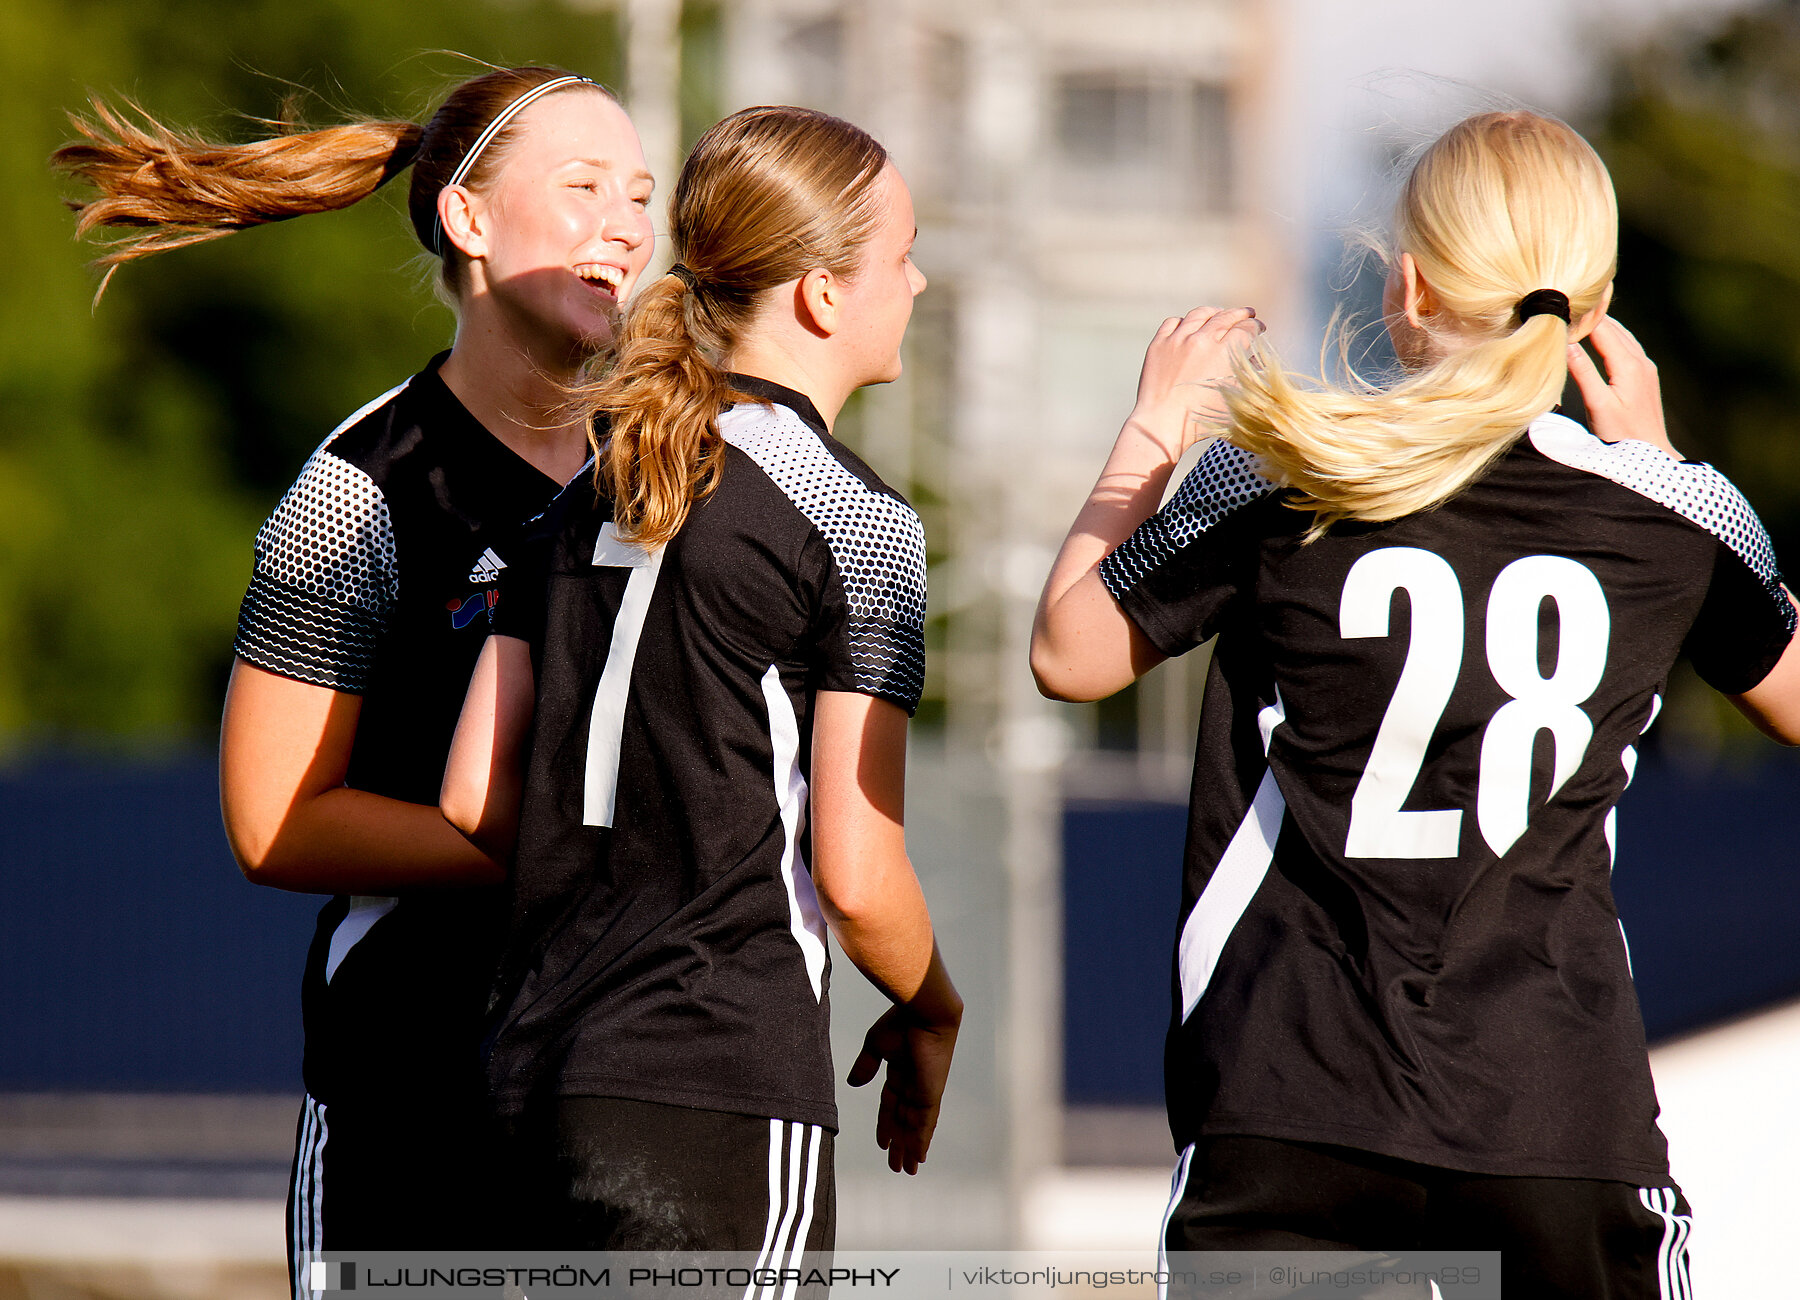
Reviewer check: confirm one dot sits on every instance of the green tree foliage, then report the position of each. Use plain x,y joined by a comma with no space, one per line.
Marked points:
1702,135
142,441
1701,131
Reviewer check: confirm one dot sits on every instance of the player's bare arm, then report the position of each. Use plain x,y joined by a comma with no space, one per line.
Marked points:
871,899
1083,647
284,751
485,776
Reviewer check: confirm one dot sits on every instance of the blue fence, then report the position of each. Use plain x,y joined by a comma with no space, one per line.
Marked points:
135,958
133,955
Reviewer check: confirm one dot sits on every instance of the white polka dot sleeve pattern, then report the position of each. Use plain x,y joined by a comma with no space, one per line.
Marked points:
325,579
1223,481
1694,490
874,537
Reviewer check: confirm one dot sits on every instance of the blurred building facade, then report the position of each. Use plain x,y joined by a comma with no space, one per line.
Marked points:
1079,174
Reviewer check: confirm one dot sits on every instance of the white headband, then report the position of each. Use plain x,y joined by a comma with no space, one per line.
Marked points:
482,141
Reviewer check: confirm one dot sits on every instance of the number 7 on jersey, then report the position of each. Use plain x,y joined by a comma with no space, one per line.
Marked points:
606,727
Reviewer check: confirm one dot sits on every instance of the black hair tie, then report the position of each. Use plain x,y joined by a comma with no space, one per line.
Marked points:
686,276
1544,302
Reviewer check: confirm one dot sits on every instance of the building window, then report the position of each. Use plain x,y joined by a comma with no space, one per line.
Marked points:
1161,144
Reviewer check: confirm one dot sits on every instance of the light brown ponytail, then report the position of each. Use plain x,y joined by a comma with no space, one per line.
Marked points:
173,188
662,401
170,188
1500,206
767,195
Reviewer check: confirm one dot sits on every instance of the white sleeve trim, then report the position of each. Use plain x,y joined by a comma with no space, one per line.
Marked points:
1223,481
875,539
332,536
1694,490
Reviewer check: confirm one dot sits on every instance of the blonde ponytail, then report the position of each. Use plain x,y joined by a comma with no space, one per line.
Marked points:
1502,205
767,195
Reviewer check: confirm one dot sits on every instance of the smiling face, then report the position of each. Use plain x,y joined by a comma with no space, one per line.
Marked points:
878,300
558,240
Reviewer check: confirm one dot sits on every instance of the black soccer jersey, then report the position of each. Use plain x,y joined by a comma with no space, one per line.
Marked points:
375,575
1397,926
666,943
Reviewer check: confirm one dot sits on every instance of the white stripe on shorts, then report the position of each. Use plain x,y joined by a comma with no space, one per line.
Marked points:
1674,1281
814,1136
775,1200
1177,1190
306,1201
796,1144
791,1202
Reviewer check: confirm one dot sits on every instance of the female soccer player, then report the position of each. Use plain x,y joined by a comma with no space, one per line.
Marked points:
1404,1014
724,635
369,602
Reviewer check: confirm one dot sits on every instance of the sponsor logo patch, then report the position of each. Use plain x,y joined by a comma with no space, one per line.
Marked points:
465,612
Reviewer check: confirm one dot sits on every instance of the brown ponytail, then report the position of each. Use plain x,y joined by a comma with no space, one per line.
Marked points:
175,188
767,195
172,188
662,400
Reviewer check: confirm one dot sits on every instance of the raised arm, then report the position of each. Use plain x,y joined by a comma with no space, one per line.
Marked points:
872,902
284,750
1626,402
485,777
1083,647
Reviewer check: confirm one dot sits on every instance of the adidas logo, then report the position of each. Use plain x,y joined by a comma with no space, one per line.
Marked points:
487,568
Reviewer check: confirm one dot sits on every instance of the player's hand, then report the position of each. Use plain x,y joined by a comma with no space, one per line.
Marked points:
1627,402
1189,357
918,1064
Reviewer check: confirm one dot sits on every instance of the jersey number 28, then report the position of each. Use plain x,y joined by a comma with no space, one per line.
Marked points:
1379,826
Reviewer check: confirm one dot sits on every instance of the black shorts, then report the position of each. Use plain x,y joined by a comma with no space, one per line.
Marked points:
402,1175
603,1173
1580,1238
